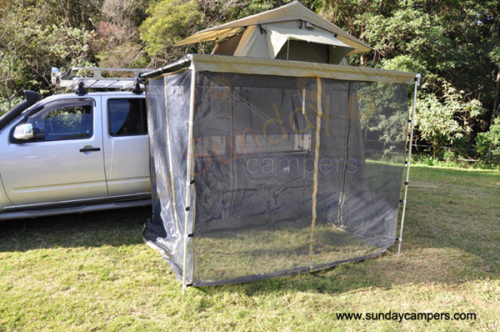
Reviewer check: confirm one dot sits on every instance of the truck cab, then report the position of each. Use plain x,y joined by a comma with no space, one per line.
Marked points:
75,152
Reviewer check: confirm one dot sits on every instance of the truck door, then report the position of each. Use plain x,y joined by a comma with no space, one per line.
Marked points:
126,145
64,160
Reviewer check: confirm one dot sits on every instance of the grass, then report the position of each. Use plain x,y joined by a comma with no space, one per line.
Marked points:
92,272
264,251
455,162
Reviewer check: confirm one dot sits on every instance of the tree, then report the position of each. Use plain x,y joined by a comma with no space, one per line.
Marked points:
33,39
449,42
495,58
488,144
118,43
169,22
12,42
453,44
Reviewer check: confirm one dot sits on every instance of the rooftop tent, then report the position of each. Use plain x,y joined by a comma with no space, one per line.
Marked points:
264,168
291,32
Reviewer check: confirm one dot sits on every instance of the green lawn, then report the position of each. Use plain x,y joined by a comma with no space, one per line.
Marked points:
92,272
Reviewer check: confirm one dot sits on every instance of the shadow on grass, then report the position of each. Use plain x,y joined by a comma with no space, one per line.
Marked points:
93,229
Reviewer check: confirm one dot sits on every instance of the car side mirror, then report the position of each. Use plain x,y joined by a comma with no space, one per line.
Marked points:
23,132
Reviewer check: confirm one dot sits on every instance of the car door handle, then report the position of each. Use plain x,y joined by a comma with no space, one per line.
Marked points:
90,149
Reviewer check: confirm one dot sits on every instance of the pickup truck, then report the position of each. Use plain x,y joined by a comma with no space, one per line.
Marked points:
75,152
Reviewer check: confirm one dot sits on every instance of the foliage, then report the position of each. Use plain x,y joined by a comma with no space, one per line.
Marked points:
441,120
450,160
169,21
118,43
6,105
377,103
495,53
32,40
488,144
453,44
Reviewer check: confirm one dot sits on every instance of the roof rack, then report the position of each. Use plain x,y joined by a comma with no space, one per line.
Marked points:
97,81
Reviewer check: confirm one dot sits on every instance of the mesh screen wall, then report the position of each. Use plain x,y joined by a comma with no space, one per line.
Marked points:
288,174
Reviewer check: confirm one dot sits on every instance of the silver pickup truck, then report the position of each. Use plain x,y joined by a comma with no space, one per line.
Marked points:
74,153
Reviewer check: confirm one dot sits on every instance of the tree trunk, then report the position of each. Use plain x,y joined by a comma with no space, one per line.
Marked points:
495,103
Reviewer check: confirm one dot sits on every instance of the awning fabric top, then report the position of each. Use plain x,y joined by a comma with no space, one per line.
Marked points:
259,66
291,12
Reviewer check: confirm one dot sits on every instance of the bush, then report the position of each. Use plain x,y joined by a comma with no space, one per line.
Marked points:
488,144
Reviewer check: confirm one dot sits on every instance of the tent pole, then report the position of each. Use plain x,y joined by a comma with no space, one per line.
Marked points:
417,83
169,146
189,174
350,101
319,115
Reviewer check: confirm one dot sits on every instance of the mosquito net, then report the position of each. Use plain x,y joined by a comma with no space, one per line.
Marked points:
257,175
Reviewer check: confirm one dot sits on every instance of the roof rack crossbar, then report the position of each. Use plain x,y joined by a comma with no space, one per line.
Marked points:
101,69
97,81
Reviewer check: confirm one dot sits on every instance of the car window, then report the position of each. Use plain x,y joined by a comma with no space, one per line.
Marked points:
62,122
127,117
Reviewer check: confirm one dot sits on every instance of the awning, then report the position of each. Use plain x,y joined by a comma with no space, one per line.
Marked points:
256,66
280,35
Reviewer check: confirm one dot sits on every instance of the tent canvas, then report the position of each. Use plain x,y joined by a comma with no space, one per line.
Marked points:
263,167
267,34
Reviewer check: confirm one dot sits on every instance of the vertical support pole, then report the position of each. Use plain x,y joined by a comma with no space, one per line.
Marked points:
303,135
232,165
350,106
169,146
417,83
189,175
304,101
315,175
